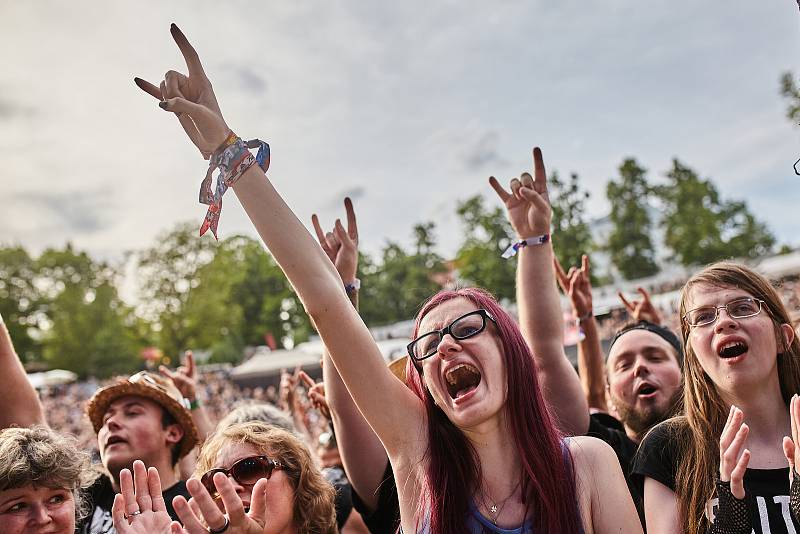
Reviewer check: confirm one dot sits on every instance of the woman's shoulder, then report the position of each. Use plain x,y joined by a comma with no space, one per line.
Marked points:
590,455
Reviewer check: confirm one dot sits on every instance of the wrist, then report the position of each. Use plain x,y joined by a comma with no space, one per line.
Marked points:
581,317
531,241
194,403
353,286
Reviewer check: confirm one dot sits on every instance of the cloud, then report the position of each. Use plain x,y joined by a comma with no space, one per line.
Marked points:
484,152
13,110
246,78
75,211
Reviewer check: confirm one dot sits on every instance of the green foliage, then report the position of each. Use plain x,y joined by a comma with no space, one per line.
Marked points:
629,244
571,235
701,228
395,289
791,93
19,300
486,235
89,330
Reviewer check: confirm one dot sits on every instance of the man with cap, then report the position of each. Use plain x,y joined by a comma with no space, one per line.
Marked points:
640,382
146,418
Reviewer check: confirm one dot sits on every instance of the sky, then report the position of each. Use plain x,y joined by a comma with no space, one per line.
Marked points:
407,107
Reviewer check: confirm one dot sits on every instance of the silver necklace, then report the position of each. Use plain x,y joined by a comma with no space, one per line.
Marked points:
494,511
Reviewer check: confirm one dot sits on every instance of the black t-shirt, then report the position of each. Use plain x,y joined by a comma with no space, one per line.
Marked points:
344,501
386,517
608,429
767,490
101,498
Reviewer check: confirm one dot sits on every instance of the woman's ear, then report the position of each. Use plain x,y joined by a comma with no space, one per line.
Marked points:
787,335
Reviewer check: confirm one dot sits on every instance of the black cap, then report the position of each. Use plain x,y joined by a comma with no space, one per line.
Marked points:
664,333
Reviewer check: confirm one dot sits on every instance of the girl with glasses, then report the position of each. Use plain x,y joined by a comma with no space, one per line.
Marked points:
722,467
472,444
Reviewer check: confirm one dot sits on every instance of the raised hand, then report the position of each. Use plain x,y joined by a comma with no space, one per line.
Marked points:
733,457
140,507
201,510
641,310
577,285
184,377
316,394
791,449
341,245
528,204
191,98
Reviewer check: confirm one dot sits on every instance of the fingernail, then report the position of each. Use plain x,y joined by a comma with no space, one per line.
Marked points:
163,104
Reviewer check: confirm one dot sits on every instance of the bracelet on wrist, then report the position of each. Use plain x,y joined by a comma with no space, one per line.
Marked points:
194,404
585,317
353,286
512,249
232,158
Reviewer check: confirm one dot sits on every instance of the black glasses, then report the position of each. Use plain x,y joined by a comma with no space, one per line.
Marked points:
246,472
466,326
736,309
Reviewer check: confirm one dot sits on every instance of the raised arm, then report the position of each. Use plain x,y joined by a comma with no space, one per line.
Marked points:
21,406
391,409
363,456
540,317
641,310
577,285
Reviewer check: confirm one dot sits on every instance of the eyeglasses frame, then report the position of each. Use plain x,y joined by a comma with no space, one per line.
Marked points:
446,330
276,465
725,307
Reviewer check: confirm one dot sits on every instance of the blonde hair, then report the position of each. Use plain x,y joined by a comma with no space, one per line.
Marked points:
314,510
39,456
698,430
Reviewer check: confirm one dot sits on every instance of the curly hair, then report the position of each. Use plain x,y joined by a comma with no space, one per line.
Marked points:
314,510
42,457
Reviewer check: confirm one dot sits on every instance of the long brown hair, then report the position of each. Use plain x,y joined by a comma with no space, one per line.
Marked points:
698,430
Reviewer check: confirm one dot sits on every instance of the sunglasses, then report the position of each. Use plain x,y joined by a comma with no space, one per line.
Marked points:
246,472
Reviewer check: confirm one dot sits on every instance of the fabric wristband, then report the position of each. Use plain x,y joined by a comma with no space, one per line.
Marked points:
512,249
353,286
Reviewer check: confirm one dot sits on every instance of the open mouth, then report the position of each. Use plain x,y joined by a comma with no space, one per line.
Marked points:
462,379
732,349
113,440
646,389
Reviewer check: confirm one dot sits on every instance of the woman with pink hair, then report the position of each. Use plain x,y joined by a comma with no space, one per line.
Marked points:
472,443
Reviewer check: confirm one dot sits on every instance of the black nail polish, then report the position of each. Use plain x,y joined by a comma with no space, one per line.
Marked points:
163,104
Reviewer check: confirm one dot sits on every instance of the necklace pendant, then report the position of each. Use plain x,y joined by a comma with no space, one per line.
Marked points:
493,509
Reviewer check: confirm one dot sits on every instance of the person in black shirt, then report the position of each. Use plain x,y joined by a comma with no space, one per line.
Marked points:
723,466
141,418
640,381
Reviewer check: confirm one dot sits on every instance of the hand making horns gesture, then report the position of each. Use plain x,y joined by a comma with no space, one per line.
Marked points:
191,98
528,204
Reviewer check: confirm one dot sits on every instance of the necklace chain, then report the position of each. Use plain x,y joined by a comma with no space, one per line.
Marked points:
493,510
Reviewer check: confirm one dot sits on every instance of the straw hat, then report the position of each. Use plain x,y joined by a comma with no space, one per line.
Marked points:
151,386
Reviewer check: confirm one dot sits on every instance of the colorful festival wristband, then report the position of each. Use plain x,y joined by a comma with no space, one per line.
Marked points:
232,158
512,250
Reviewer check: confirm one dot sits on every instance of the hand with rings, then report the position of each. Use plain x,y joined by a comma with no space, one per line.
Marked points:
140,507
201,515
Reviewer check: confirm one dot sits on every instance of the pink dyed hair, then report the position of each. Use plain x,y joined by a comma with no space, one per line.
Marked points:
453,470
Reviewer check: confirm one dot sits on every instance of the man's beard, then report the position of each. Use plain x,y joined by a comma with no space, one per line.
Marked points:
640,420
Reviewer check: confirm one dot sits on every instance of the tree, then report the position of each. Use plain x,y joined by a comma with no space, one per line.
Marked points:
791,93
629,243
487,233
19,300
700,227
87,329
394,289
167,272
571,235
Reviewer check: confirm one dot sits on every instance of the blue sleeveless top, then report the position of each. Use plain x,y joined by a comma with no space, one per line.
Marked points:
476,523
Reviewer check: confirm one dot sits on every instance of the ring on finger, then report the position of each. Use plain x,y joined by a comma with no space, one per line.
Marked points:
221,529
137,512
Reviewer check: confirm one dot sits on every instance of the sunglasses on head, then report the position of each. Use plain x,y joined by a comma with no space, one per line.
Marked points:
246,472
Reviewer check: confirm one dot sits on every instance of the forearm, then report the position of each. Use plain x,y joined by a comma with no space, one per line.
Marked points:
590,366
21,405
542,325
389,407
362,453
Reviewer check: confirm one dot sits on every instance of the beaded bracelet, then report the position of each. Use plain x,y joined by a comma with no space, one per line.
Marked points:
511,251
232,158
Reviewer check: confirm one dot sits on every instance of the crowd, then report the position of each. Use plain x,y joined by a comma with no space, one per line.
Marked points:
688,422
